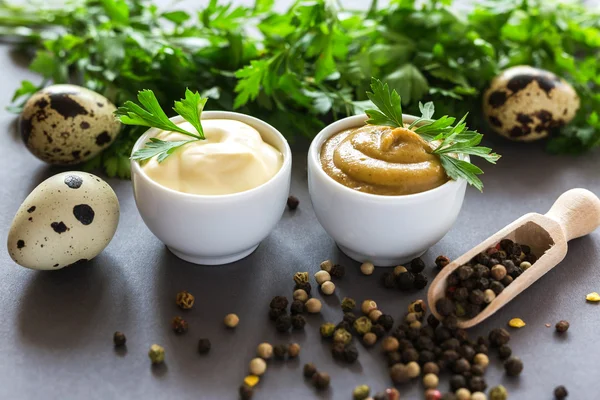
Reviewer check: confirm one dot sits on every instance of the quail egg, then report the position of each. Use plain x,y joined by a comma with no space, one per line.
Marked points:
68,124
67,219
525,103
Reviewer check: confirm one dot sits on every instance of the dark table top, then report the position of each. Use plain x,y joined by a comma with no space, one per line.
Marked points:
56,335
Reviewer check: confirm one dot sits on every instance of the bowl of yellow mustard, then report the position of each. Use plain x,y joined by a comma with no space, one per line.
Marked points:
380,192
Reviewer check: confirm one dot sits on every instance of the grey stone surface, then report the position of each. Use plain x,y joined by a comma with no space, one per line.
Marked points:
56,330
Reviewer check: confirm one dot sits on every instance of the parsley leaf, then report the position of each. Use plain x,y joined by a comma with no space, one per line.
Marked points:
190,109
389,105
160,148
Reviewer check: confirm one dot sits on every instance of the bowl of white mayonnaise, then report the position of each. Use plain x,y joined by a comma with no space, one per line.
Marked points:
213,201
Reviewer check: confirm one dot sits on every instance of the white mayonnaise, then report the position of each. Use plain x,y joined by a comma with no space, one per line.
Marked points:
232,159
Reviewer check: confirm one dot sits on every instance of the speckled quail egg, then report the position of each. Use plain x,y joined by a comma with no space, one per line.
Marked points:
67,219
525,103
68,124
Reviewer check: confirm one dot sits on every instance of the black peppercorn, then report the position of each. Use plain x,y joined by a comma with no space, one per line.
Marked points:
507,280
424,343
516,272
477,370
426,356
467,352
444,306
432,321
292,202
246,392
560,392
453,279
482,284
450,356
477,384
481,348
504,351
513,366
442,333
498,337
482,258
349,317
442,261
471,310
304,286
470,283
450,344
388,280
119,339
350,353
461,335
321,380
427,331
204,346
448,396
562,326
393,357
404,344
417,265
476,297
398,333
530,258
337,271
506,244
344,325
280,302
283,323
457,382
405,281
297,307
275,313
309,370
464,272
496,287
298,322
451,322
337,351
280,350
409,355
378,330
386,321
420,281
460,294
461,366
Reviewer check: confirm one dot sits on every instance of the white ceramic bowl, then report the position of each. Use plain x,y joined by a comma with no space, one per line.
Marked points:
385,230
217,229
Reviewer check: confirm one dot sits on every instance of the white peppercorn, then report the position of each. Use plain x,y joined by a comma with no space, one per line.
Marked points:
258,366
399,270
231,320
300,294
463,394
431,381
478,396
328,288
326,265
367,268
488,296
313,306
374,315
525,265
481,359
368,306
413,369
264,351
322,276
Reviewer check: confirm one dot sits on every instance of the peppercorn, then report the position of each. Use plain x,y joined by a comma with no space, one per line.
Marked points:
399,373
498,337
204,346
453,279
478,396
477,370
275,313
342,336
410,317
417,265
321,380
368,306
525,265
279,302
390,344
496,287
231,320
431,381
294,350
388,280
386,321
451,344
350,353
279,350
399,269
184,300
476,297
378,330
444,306
348,304
298,322
481,360
477,384
489,296
246,392
367,268
179,325
326,265
413,369
464,272
338,271
327,329
304,286
415,325
481,348
460,294
463,394
300,295
393,358
513,366
451,322
313,306
344,325
283,323
461,335
433,321
470,283
297,307
560,392
504,351
457,382
431,368
409,355
482,284
301,277
156,354
374,315
459,310
309,370
405,281
257,366
119,339
322,276
420,281
433,394
507,280
292,202
562,326
349,317
481,271
442,261
498,393
361,392
337,351
362,325
328,288
369,339
461,366
450,356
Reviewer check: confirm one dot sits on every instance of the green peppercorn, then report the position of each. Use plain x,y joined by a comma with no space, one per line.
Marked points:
348,304
361,392
342,336
204,346
525,265
513,366
560,392
321,380
283,323
442,261
179,325
309,370
246,392
280,350
184,300
498,393
156,354
338,271
562,326
301,277
362,325
327,329
459,310
119,339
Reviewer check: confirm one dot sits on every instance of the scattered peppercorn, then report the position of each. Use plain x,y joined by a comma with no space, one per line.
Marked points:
338,271
322,276
560,392
368,306
156,354
246,392
337,350
417,265
388,280
562,326
275,313
478,396
179,325
328,288
231,320
386,321
299,295
477,384
264,351
362,325
119,339
184,300
374,315
405,281
309,370
498,337
204,346
442,261
301,277
498,393
283,323
481,360
378,330
348,304
513,366
350,353
457,382
420,281
294,350
327,329
369,339
399,374
257,366
433,394
431,381
431,368
297,307
304,286
292,202
326,265
413,369
313,306
321,380
463,394
367,268
279,350
504,351
361,392
298,321
279,302
342,336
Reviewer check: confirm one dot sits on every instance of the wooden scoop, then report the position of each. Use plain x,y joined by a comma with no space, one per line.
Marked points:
576,213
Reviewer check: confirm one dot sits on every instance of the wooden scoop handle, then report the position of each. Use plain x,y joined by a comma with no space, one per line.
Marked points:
577,211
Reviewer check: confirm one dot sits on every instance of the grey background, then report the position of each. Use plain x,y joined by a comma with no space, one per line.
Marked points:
56,330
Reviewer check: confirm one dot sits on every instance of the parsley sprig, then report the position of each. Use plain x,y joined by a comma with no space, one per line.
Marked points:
151,114
454,139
